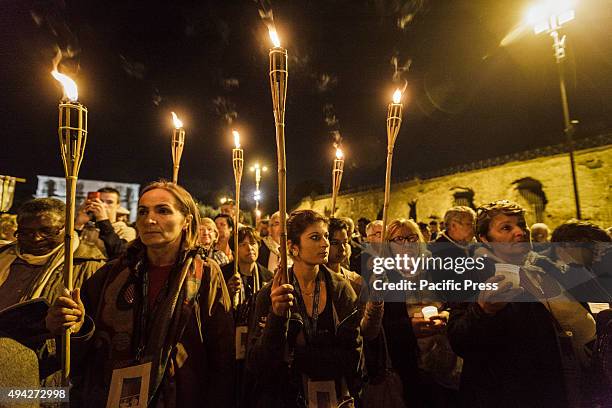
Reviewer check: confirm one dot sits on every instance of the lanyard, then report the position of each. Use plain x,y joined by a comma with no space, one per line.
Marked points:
310,323
144,304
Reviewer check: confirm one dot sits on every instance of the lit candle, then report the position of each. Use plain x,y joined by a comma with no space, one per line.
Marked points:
429,312
178,142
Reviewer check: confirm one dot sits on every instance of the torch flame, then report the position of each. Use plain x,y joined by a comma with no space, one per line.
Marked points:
70,87
339,154
274,37
236,138
177,122
397,96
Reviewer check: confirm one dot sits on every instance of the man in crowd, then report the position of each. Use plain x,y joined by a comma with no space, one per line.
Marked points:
353,256
374,232
33,266
433,229
540,236
262,227
113,235
454,242
524,343
269,255
362,223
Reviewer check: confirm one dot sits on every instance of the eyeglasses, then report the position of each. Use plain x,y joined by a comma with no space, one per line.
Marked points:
337,243
43,232
407,238
375,234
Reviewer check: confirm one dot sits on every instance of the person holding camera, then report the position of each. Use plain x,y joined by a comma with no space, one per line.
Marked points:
100,208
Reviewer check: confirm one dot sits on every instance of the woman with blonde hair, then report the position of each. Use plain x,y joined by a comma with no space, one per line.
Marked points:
406,330
209,235
144,315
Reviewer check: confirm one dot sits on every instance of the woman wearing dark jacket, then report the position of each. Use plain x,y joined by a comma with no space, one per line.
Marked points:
160,303
314,353
252,276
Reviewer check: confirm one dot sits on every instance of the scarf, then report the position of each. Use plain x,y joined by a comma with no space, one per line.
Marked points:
52,261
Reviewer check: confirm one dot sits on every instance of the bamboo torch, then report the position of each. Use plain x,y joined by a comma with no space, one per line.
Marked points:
238,163
394,121
337,171
72,132
178,142
278,87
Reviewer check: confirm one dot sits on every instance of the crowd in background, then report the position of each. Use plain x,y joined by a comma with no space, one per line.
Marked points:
162,295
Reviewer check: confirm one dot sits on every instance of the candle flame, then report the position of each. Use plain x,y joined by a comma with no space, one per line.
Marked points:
274,37
339,154
397,96
70,87
236,138
177,122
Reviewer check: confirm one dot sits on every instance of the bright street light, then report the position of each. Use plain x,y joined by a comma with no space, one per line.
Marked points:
548,17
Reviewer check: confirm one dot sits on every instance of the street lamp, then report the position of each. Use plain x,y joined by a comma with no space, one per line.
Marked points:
548,17
257,169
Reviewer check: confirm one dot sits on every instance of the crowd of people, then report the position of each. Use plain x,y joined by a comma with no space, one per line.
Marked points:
160,301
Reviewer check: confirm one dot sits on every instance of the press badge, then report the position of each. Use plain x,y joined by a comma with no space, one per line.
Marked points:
321,394
242,333
129,387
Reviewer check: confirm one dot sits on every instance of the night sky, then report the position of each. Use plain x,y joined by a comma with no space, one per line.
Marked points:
467,98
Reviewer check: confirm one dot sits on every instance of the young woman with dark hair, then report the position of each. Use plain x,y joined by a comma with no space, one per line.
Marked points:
304,338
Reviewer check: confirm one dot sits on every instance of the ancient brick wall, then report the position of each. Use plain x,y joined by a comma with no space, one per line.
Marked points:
542,185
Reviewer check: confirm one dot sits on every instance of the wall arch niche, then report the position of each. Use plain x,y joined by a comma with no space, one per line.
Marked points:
532,196
463,196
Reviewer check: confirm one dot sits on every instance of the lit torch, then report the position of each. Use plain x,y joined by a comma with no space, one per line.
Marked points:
178,142
278,87
238,163
394,121
337,171
72,132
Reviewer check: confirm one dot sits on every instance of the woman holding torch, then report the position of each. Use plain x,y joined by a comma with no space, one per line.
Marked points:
322,340
143,317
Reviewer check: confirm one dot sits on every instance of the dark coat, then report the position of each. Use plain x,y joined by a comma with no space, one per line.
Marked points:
277,383
511,359
203,378
264,274
264,255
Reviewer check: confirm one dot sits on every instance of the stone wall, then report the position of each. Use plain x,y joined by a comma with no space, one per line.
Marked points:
550,174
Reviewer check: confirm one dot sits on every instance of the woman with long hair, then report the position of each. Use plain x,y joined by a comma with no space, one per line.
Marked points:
304,337
158,315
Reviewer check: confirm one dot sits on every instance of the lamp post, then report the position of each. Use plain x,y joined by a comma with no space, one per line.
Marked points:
548,18
257,169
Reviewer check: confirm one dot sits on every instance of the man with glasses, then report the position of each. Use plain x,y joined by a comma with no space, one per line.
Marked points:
374,232
32,266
